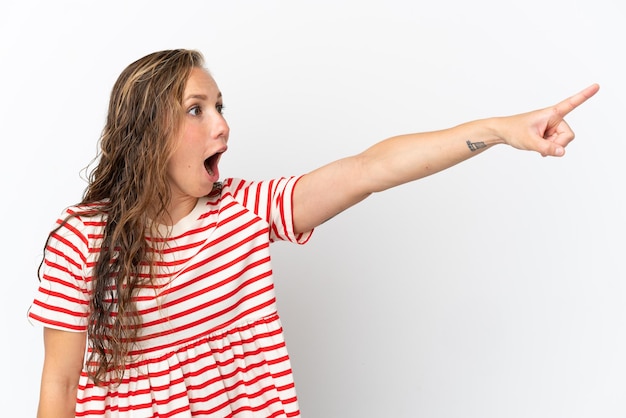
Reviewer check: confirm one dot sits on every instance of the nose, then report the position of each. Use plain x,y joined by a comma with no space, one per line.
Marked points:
221,130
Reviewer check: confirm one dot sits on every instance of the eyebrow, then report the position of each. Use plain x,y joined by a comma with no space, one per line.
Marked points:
202,96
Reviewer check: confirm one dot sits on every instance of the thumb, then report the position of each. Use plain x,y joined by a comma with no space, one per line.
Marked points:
549,147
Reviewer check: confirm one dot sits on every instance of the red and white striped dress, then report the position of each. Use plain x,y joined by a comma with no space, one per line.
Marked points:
211,343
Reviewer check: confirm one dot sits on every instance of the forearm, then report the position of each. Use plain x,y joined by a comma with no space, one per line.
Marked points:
61,372
405,158
335,187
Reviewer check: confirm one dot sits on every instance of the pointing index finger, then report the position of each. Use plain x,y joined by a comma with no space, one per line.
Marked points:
571,103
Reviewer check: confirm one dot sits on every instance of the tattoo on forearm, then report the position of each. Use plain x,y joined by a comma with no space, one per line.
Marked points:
473,146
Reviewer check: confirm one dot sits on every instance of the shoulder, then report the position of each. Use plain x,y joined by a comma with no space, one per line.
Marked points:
80,224
235,186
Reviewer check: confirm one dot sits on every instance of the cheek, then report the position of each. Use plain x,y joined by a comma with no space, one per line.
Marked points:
190,148
185,153
178,160
191,142
180,163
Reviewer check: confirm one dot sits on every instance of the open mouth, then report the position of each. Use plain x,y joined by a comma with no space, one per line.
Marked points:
210,164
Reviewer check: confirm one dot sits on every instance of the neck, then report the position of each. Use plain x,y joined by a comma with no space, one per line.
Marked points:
178,209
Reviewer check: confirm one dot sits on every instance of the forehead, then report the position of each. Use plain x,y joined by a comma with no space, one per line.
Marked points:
201,82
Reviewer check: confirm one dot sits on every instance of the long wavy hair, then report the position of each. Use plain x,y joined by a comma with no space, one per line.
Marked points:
129,187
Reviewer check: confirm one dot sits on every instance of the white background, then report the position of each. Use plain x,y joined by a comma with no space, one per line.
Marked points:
494,289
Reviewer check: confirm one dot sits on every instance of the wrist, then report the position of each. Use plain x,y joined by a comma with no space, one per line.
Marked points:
495,131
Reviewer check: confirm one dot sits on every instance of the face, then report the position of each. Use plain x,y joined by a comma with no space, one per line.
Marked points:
193,167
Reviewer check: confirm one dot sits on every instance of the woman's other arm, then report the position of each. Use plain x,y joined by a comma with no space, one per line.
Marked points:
63,362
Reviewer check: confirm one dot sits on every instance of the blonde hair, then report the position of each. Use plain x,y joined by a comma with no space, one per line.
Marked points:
129,186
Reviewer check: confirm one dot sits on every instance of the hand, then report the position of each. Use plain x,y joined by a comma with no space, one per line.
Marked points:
544,130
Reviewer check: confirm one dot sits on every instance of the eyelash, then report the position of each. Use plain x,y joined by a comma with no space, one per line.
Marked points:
220,109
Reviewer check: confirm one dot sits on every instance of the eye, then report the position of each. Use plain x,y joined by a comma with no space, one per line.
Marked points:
195,110
220,108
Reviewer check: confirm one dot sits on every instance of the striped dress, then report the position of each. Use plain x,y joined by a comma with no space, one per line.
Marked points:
211,343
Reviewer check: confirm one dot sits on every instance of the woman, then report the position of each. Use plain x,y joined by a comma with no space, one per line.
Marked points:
156,291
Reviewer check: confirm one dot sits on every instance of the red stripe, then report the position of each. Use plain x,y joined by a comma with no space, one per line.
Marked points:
57,324
217,363
268,205
61,310
75,231
63,296
281,206
203,306
65,256
177,288
196,323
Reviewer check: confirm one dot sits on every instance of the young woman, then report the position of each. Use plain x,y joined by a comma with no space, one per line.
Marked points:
156,292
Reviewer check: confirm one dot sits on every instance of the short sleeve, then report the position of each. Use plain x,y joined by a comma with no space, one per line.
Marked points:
271,200
62,299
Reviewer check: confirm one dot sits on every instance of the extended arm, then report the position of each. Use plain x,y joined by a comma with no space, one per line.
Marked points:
323,193
63,361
